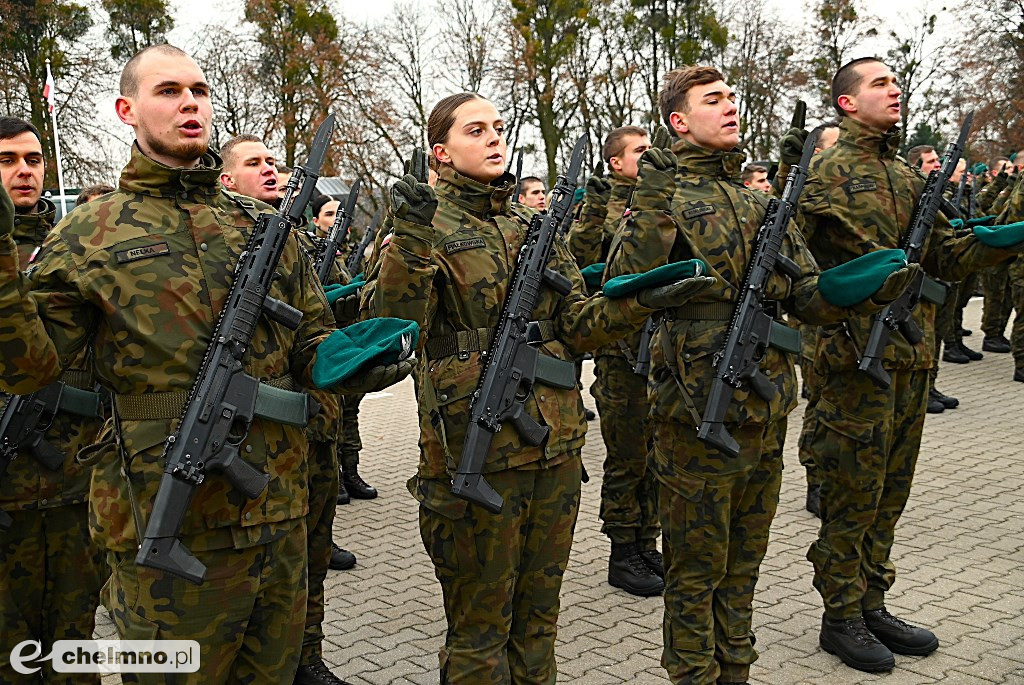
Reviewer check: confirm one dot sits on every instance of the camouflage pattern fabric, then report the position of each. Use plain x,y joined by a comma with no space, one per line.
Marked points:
501,574
350,442
995,312
811,384
709,586
865,446
50,579
945,315
987,195
860,197
247,616
629,491
716,512
323,502
591,236
1014,212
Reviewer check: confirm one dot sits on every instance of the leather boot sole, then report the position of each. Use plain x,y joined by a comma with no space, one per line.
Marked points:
874,667
635,591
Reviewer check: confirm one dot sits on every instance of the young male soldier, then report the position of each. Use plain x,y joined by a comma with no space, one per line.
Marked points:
143,273
755,177
716,509
1014,212
629,505
250,170
532,193
50,571
860,197
995,281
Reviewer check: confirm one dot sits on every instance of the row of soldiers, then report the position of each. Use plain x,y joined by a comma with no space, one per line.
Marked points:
121,292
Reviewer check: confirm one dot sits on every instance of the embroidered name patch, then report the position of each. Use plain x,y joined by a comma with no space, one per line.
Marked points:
125,256
699,210
860,185
460,245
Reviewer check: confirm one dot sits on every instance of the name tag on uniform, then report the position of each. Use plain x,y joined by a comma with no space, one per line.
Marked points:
144,252
460,245
699,210
860,185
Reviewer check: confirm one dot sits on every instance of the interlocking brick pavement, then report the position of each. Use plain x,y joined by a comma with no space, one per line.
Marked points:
959,554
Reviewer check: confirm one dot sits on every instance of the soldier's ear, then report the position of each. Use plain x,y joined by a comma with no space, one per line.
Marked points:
441,154
227,181
848,103
125,111
678,121
615,164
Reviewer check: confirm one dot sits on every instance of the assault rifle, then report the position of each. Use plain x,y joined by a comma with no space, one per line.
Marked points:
339,230
222,402
355,258
519,177
512,360
898,315
753,328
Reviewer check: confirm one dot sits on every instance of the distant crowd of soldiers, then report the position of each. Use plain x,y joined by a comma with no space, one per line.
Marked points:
115,304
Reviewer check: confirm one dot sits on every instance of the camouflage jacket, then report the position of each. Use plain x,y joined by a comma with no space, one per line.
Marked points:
590,238
453,277
987,195
141,274
1013,212
861,197
999,203
28,484
715,219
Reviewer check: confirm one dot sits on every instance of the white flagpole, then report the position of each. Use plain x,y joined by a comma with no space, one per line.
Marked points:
50,97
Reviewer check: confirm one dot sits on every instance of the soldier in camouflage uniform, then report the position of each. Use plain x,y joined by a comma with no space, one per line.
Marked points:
250,169
716,510
1014,212
500,574
50,571
141,275
629,505
995,280
861,197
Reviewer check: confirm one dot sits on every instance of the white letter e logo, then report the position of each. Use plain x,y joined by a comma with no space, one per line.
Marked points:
18,659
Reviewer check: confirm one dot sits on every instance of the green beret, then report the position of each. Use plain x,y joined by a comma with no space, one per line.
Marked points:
858,279
620,286
592,274
336,291
1008,235
979,168
363,345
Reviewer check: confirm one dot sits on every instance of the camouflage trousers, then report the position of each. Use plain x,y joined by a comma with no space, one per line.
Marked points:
865,444
716,512
945,319
501,575
247,616
351,443
1017,334
811,381
50,579
629,490
997,308
323,503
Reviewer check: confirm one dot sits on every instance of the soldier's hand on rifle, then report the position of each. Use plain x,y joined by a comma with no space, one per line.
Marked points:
376,378
413,201
656,182
674,294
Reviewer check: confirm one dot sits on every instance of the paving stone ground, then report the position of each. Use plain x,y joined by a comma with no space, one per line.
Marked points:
959,554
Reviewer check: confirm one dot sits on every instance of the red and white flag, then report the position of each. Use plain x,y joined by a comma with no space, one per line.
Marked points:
48,89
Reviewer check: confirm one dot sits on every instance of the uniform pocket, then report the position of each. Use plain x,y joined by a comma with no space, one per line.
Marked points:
848,445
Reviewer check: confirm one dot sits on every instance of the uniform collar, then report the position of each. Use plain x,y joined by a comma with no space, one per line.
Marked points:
699,161
148,177
855,134
34,227
482,199
621,186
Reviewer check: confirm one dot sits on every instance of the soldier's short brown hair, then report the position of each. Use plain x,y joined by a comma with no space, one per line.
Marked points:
748,172
678,83
847,80
130,74
227,152
615,143
915,154
442,117
90,193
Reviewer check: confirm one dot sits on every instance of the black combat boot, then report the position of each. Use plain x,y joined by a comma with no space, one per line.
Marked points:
317,673
935,406
996,343
589,414
355,485
966,332
343,497
654,561
899,636
627,570
1018,374
947,401
341,559
814,499
954,355
971,354
851,641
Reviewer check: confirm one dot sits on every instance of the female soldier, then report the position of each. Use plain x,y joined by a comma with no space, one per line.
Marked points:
447,264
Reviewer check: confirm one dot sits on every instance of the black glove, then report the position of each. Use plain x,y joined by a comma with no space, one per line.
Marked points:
376,378
661,139
6,213
675,294
346,309
791,147
418,166
413,201
656,182
598,187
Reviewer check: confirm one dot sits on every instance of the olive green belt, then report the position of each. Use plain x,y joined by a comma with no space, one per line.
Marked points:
77,397
477,340
276,400
781,337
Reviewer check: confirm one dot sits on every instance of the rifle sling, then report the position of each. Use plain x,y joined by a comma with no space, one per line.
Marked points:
276,400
